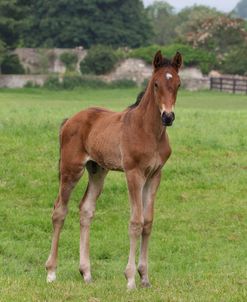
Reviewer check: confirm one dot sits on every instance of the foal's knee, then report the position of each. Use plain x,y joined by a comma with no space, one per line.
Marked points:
59,214
147,227
135,228
86,215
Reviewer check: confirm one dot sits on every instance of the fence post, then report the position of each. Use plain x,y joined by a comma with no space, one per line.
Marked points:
234,86
221,82
211,84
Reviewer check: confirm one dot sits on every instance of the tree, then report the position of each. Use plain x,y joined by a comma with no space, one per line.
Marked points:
2,54
11,16
10,22
219,35
99,60
235,62
163,19
70,23
69,59
191,18
241,9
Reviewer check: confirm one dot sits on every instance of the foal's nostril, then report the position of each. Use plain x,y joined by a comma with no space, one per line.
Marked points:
168,118
173,116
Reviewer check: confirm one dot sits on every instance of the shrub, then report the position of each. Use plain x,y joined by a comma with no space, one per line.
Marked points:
31,84
235,62
69,59
11,65
52,83
72,81
122,84
92,83
146,53
99,60
191,56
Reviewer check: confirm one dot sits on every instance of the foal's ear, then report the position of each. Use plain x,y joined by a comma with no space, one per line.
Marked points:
158,59
177,61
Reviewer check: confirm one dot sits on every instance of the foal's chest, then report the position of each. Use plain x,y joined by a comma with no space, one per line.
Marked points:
158,158
154,164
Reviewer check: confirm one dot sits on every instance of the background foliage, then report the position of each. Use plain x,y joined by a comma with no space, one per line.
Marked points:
191,56
213,35
109,22
241,9
100,59
69,59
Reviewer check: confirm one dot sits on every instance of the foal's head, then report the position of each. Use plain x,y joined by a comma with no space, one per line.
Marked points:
165,82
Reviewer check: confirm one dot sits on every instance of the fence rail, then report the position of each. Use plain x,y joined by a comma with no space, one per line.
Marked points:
229,84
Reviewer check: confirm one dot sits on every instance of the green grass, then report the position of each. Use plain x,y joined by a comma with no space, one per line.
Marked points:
198,247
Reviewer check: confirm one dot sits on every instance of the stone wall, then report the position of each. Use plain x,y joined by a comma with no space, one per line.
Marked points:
192,79
42,60
131,69
19,81
139,72
45,61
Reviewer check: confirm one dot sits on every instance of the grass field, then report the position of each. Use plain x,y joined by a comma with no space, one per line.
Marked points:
198,249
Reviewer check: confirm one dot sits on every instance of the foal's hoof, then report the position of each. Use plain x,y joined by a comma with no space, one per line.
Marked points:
88,280
145,284
51,277
86,277
131,285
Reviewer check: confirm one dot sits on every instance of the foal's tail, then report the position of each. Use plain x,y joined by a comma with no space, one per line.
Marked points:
60,142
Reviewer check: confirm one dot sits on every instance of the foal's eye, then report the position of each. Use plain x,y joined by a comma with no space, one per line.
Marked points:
155,84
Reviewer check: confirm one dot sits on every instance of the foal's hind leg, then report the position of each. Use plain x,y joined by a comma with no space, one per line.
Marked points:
87,209
71,171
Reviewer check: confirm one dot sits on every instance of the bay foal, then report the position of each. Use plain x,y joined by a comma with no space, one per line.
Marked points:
134,141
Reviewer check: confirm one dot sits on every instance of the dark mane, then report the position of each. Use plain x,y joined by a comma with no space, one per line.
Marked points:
138,99
165,62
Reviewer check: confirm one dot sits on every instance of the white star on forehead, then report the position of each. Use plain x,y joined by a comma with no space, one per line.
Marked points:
168,76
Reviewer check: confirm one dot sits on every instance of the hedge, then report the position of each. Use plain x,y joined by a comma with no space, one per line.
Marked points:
191,56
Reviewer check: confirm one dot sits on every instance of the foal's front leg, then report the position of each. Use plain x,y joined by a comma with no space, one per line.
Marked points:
135,183
148,198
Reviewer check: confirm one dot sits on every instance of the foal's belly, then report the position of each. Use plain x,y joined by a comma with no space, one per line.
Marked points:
103,146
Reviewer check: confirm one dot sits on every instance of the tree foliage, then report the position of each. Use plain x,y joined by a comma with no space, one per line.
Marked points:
11,16
191,56
191,18
10,22
100,59
241,9
69,59
70,23
219,34
163,20
235,62
11,65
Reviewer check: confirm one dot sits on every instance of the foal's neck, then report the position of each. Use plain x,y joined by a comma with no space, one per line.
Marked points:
149,112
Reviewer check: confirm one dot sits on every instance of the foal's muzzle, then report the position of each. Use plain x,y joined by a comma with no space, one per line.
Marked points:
168,118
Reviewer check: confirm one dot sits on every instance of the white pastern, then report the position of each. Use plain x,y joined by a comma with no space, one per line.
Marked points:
51,277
